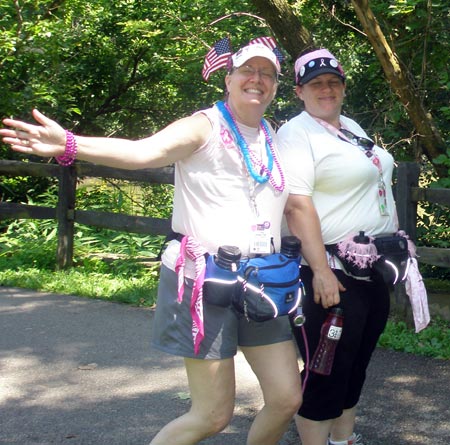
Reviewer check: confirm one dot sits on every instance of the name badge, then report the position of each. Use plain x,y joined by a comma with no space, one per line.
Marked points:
260,239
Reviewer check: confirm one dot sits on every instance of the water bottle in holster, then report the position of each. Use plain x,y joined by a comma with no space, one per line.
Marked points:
220,282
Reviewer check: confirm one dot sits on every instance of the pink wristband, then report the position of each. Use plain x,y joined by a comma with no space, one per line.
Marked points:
70,153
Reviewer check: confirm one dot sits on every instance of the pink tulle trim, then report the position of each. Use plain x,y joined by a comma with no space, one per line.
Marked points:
361,255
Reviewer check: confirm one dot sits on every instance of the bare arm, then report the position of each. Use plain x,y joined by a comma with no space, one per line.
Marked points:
304,223
175,142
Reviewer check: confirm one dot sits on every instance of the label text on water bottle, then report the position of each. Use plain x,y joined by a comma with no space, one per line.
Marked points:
334,333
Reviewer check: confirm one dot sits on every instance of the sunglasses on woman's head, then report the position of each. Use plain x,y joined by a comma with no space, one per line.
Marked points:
362,142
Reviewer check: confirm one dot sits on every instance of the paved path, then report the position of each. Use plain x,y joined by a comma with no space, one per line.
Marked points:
81,372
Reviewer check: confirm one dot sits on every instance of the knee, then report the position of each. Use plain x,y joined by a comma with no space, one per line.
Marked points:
220,420
294,401
217,419
287,404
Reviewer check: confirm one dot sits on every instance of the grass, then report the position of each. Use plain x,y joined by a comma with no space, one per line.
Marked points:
138,289
28,260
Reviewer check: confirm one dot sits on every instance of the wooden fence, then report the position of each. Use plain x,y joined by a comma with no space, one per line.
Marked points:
407,193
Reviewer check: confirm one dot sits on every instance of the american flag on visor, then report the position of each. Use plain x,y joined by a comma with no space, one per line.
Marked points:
217,57
272,44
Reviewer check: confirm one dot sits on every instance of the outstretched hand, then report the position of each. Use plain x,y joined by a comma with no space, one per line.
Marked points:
47,139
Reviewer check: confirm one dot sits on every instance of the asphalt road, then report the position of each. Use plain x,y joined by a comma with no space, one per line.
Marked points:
82,372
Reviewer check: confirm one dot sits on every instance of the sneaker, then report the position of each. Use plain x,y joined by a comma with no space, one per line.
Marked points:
354,439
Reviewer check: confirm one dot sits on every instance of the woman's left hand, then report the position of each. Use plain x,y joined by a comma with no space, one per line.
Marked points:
47,139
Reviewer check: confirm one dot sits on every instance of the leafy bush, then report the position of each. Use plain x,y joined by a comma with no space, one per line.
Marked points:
434,341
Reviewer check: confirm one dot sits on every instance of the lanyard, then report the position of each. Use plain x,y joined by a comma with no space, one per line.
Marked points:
370,154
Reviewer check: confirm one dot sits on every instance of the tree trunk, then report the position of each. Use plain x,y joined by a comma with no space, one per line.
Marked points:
286,26
400,81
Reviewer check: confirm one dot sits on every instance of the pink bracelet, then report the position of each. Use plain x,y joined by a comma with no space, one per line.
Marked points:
70,153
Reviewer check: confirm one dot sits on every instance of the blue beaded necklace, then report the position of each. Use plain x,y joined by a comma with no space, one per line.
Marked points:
243,146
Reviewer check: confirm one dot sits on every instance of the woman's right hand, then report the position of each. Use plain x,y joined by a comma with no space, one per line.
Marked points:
327,288
47,139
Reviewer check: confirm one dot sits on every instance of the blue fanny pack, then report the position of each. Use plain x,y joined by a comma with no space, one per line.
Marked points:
268,287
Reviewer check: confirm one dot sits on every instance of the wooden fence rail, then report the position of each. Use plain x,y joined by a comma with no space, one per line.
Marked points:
407,192
66,213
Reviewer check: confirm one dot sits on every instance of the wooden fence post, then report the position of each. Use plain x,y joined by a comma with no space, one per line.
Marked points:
65,214
407,177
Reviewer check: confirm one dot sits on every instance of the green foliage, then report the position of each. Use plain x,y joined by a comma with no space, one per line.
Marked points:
127,68
433,341
443,159
28,260
87,240
419,33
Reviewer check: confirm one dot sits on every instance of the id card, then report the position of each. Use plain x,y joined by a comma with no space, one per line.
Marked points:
382,200
260,239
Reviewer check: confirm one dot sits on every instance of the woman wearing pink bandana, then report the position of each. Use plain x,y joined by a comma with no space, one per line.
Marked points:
340,185
229,190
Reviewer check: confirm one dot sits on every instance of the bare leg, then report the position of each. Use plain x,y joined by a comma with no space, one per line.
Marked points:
212,387
316,433
277,371
343,426
313,432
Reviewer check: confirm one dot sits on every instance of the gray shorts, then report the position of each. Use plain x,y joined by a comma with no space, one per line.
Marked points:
225,329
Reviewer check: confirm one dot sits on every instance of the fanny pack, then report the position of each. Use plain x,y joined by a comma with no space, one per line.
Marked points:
368,258
394,258
269,287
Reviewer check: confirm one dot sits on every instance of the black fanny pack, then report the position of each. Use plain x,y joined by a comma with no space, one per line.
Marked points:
393,264
368,258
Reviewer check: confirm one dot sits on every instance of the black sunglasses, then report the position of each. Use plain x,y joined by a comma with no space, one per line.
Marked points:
365,143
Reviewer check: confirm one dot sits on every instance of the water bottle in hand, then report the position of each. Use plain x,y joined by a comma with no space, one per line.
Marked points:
330,333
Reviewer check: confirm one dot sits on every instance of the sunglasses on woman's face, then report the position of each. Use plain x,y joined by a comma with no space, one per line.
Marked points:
365,143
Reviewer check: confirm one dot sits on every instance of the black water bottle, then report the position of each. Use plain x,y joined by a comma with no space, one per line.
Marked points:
290,246
330,334
228,257
361,238
221,273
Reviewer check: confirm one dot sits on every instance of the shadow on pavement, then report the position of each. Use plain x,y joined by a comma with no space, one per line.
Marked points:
79,371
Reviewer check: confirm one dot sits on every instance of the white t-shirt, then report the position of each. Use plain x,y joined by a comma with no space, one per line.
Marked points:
340,178
214,193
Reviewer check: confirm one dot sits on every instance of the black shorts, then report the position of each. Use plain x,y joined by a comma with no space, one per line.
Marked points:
366,309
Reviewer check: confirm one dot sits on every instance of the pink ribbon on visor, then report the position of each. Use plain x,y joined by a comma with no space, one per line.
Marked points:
195,252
